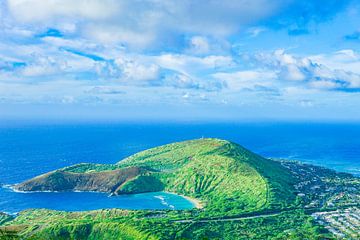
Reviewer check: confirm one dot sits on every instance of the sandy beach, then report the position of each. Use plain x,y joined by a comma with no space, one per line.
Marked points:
195,201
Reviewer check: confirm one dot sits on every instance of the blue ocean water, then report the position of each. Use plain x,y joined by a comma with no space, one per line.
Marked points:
13,202
27,150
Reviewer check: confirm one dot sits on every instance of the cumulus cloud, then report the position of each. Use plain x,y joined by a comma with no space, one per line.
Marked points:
312,71
199,45
145,23
347,60
52,9
250,79
140,23
136,71
105,90
185,63
202,46
96,50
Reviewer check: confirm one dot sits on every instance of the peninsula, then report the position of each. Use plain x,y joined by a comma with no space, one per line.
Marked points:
239,194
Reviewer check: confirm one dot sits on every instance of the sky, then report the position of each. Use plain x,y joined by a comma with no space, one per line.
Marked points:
180,60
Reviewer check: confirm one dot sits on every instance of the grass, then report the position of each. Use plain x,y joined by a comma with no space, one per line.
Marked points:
121,224
227,178
5,218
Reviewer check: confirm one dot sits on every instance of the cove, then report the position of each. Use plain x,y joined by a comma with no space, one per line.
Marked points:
14,202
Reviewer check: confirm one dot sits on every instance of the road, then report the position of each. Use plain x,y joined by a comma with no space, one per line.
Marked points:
227,219
263,215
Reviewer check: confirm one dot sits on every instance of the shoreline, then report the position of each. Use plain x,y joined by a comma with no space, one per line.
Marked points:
197,203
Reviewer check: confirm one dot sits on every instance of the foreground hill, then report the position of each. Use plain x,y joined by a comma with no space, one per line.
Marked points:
245,196
223,175
4,218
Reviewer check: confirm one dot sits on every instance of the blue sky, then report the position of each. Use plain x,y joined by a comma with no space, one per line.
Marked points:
180,60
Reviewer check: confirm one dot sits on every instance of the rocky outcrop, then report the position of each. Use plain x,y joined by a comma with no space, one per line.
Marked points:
104,181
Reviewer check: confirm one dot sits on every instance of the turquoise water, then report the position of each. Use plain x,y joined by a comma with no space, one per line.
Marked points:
27,150
13,202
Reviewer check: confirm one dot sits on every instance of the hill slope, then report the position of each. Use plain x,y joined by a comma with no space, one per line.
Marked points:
246,197
225,176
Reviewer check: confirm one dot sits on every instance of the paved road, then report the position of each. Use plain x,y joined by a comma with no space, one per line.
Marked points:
264,215
227,219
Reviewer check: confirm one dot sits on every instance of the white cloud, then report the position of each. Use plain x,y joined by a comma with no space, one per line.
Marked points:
68,99
38,10
186,63
314,71
199,45
246,79
180,81
142,23
58,58
323,84
255,31
105,90
153,51
306,103
347,60
114,34
202,46
292,72
135,71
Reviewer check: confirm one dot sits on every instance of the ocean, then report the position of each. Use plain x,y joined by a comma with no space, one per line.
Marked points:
30,149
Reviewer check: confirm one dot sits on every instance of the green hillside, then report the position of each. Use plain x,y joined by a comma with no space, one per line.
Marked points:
212,170
4,218
215,171
140,225
244,195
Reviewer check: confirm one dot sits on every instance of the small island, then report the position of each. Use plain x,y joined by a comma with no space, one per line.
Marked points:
237,193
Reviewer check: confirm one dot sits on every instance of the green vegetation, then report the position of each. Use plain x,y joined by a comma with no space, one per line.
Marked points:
120,224
6,233
245,196
141,184
5,218
209,169
62,180
47,224
289,225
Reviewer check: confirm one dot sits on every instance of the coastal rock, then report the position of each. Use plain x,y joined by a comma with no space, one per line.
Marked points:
62,180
